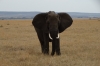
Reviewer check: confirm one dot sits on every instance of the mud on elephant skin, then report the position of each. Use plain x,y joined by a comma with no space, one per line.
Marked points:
48,26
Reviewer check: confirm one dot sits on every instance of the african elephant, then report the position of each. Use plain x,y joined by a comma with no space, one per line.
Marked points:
48,26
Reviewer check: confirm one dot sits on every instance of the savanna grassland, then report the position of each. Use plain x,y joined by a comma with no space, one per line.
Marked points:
19,45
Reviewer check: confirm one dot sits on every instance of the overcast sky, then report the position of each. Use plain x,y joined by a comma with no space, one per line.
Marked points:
90,6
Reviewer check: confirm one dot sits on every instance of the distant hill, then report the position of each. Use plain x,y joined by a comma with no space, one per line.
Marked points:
30,15
17,15
84,15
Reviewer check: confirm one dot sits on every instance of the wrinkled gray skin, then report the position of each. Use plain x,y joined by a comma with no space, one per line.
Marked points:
48,26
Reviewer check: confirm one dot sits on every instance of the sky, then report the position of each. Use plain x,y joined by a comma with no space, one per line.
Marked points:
87,6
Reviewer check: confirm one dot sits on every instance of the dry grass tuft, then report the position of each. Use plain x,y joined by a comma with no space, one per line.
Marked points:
1,25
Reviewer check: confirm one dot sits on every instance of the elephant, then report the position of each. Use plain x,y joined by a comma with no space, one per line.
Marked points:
48,25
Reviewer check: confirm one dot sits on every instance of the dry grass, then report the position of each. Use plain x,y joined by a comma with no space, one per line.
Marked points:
19,45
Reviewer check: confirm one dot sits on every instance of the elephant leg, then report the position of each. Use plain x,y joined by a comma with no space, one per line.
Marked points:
46,43
57,47
53,47
41,38
42,44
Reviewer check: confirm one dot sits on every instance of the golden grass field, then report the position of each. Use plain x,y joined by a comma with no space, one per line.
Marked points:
19,45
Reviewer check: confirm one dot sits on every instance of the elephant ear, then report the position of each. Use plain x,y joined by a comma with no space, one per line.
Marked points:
39,20
65,21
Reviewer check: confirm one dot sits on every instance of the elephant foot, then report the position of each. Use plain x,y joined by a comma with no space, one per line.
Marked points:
52,53
58,53
46,52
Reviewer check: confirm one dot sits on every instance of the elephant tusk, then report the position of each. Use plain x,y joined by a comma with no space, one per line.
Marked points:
50,36
57,36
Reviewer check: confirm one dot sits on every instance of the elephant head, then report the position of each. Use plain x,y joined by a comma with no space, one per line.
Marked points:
52,23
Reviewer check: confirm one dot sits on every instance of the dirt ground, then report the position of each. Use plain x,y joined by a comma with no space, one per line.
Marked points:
19,45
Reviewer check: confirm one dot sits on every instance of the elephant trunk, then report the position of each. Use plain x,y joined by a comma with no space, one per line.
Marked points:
54,35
